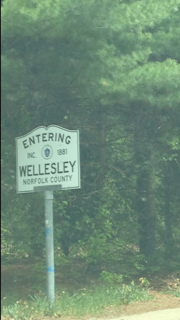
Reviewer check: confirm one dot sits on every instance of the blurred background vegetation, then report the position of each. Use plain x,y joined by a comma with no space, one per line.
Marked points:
110,69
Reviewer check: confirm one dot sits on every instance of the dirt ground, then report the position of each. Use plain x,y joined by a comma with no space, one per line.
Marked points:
158,284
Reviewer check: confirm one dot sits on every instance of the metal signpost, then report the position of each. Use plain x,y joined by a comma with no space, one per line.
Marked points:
48,159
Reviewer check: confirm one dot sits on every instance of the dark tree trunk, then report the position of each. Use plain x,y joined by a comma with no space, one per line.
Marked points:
141,210
145,190
102,148
145,208
167,213
151,206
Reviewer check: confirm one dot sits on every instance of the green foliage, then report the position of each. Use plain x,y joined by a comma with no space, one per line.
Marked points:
111,278
83,302
177,294
111,70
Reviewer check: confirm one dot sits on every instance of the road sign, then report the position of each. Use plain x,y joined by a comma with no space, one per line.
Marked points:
47,157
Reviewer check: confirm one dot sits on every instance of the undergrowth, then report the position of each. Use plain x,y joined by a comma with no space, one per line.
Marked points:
90,300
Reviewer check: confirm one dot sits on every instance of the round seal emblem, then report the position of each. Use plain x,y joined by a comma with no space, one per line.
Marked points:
47,152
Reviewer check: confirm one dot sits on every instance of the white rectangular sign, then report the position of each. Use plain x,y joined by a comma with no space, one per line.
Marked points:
48,157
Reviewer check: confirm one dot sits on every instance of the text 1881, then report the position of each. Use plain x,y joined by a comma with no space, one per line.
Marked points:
61,152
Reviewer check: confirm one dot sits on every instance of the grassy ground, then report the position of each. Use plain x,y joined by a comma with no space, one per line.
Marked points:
77,294
92,300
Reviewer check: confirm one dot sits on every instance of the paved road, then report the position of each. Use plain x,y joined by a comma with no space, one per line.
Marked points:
168,314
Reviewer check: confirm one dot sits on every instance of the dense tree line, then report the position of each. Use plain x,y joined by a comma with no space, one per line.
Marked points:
112,70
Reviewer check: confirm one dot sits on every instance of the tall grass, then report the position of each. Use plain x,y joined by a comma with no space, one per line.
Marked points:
91,300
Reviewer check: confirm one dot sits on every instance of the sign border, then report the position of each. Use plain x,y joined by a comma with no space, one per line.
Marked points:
46,128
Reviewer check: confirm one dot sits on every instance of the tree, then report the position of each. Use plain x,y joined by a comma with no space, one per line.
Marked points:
110,70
